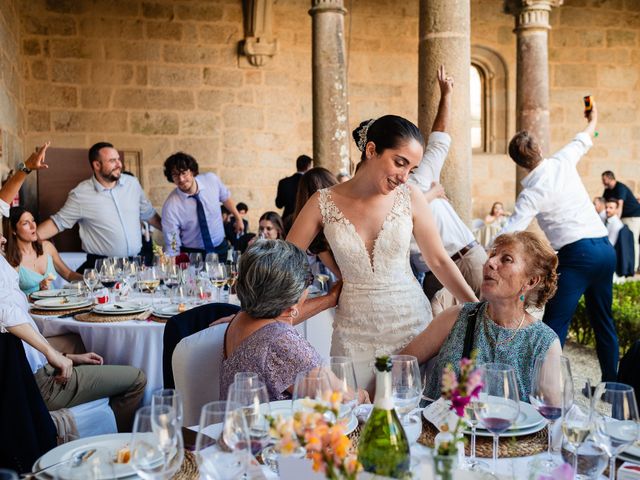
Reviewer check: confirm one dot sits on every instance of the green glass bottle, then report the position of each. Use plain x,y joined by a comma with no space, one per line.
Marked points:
383,448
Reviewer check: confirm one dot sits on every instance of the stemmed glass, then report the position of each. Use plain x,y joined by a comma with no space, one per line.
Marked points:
577,415
551,374
195,259
222,423
498,405
343,380
254,402
157,448
130,275
108,276
90,277
170,398
314,385
406,384
472,463
218,276
246,378
616,422
211,258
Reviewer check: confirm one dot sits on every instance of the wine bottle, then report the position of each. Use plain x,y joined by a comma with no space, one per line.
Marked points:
383,448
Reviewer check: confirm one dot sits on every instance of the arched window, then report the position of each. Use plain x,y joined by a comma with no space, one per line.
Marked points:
477,96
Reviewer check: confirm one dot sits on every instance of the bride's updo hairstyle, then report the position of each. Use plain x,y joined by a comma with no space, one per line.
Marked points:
389,131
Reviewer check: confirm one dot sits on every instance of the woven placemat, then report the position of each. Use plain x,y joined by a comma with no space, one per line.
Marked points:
97,318
355,438
509,446
188,469
57,313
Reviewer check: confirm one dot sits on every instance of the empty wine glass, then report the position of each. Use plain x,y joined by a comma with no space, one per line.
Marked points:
222,444
311,385
90,277
254,402
406,384
616,422
157,448
472,463
195,260
211,258
246,378
551,374
498,405
577,415
343,380
171,398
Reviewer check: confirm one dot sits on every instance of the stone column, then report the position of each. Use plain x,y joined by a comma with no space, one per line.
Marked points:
444,40
331,134
532,84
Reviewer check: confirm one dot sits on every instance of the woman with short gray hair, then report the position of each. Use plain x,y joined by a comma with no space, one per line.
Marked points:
272,286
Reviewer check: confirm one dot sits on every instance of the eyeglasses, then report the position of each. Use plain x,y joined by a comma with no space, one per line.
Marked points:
178,175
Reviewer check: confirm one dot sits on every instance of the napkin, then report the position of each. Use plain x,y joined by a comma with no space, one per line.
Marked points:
629,471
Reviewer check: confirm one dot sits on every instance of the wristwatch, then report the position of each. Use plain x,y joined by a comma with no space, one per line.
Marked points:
22,167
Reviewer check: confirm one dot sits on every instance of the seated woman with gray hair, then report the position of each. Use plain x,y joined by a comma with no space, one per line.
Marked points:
272,288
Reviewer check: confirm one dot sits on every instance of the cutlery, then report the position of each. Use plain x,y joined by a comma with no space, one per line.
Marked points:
77,459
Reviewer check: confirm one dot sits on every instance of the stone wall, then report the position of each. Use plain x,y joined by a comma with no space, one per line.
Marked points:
10,87
160,76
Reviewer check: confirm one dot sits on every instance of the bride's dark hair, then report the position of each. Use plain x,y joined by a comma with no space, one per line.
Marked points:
385,132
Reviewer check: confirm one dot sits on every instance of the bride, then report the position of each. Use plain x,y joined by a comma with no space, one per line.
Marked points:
368,222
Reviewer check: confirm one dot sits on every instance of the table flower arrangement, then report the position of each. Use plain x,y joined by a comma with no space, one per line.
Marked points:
320,435
459,390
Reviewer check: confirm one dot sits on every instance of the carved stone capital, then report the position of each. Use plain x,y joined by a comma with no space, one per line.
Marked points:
531,14
258,46
324,6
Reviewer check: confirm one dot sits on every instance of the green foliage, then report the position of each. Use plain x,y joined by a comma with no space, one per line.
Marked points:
626,314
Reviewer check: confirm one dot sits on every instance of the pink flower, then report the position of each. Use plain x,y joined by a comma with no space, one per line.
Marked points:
458,404
563,472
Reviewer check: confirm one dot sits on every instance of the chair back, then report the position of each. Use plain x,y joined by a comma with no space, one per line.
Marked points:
185,324
196,362
26,429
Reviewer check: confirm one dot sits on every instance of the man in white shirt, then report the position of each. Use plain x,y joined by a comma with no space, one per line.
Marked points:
108,208
599,205
61,383
555,195
613,222
458,241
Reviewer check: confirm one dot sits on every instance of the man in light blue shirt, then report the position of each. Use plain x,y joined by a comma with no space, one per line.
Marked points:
108,208
191,215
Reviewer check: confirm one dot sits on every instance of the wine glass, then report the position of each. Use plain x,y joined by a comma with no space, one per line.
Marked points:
130,275
498,405
312,385
246,378
211,258
90,277
472,463
616,421
172,276
406,384
218,275
149,279
343,380
222,423
577,415
254,401
157,448
171,398
195,259
551,374
108,275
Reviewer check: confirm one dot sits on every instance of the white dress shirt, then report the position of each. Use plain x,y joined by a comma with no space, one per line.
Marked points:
109,218
555,195
453,231
614,225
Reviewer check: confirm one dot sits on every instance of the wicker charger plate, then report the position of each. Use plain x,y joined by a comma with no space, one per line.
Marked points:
56,313
91,317
188,469
509,446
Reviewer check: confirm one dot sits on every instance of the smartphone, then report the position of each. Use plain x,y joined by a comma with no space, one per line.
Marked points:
588,103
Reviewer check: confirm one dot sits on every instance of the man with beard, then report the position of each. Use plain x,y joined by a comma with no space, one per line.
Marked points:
108,208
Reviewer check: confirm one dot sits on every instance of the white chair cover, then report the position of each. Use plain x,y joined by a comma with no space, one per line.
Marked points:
91,418
196,365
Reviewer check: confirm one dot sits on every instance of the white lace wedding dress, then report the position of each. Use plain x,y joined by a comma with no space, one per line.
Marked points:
382,306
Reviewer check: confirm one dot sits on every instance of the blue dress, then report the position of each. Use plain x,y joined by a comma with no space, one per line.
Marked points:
30,280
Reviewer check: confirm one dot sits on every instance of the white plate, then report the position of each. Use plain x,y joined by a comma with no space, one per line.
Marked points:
283,408
112,442
632,453
528,417
121,308
61,303
168,311
62,292
509,433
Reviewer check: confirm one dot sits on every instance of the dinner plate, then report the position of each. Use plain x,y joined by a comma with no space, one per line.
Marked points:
509,433
283,408
61,292
631,454
527,418
61,303
168,311
120,308
112,442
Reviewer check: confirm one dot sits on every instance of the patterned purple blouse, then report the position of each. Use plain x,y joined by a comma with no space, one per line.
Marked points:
277,353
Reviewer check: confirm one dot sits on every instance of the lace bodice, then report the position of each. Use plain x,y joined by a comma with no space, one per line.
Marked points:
389,261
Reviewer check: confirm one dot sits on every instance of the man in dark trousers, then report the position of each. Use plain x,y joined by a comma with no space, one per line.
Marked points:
288,187
628,207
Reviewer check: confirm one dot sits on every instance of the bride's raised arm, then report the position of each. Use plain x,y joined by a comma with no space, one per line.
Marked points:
307,225
433,252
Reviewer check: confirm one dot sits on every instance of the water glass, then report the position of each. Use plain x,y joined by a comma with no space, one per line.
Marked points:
590,461
311,385
246,378
406,384
222,423
254,402
157,448
90,277
616,421
343,380
170,398
551,375
498,405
